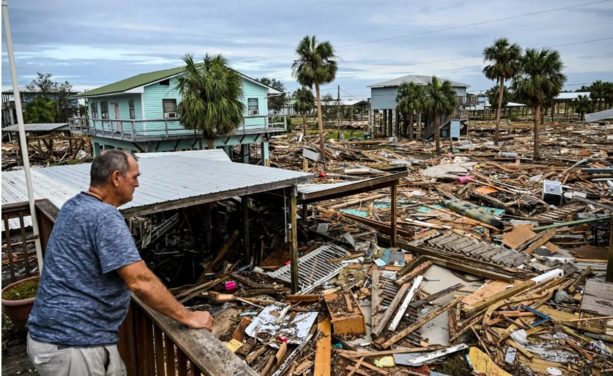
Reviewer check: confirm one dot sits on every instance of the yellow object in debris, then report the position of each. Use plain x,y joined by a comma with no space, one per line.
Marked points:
386,361
484,364
233,345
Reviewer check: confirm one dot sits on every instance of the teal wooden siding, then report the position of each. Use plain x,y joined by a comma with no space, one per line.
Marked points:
124,109
252,90
154,96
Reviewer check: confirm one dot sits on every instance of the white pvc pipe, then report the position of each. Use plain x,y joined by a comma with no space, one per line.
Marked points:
22,133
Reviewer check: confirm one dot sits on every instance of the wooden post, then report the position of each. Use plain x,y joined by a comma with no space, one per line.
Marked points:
293,242
245,153
265,155
305,212
610,258
245,201
393,197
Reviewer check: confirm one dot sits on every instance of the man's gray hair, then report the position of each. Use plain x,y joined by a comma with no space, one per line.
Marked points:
106,163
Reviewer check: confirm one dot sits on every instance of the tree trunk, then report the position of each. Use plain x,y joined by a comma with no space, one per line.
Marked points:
537,146
321,126
437,133
304,124
501,92
419,126
410,127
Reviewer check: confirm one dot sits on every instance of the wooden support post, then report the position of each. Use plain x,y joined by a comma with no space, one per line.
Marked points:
394,230
265,154
245,201
293,242
609,277
245,153
305,212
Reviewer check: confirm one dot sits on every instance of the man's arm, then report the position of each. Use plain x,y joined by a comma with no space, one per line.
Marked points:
142,282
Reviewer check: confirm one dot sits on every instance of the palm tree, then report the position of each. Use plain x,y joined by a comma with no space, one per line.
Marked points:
211,94
505,64
541,79
582,105
305,101
409,99
607,94
40,110
493,95
316,65
597,91
440,99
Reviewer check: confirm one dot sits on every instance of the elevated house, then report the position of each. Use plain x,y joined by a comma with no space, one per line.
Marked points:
384,94
139,114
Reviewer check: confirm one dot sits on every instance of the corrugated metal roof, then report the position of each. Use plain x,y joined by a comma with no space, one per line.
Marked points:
418,79
218,155
37,127
306,189
602,115
573,96
164,178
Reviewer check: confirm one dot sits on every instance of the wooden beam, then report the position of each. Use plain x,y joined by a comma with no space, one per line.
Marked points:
376,332
420,323
323,348
375,297
413,273
405,303
245,202
436,295
293,243
394,219
505,294
358,187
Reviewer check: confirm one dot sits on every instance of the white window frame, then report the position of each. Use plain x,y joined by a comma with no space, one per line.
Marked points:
257,106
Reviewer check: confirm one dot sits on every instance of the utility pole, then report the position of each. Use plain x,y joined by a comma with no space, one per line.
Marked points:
22,134
338,114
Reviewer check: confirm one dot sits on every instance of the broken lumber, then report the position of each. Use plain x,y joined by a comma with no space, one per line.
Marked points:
436,295
476,307
418,270
376,332
405,304
323,348
419,324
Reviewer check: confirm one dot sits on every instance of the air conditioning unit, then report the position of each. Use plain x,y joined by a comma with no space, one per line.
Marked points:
253,112
170,115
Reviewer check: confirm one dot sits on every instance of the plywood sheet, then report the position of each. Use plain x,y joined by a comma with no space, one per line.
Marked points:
518,236
490,289
598,297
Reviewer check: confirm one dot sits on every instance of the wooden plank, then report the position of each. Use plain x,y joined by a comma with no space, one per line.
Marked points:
159,351
491,288
486,302
181,363
598,297
293,254
9,246
366,365
376,332
220,255
375,298
543,238
150,348
419,324
436,295
517,237
169,350
24,245
584,274
394,215
418,270
405,303
323,346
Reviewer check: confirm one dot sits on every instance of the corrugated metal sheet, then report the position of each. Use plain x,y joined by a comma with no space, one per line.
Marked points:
573,96
164,178
597,116
418,79
306,189
209,155
37,127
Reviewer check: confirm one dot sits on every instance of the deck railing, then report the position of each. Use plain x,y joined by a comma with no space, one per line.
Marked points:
18,250
166,129
150,344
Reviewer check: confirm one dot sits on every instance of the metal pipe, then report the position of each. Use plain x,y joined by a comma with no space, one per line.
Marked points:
22,133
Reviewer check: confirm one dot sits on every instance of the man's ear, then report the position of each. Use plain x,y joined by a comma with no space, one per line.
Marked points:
115,178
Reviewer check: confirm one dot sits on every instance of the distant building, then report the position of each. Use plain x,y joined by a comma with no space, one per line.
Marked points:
9,114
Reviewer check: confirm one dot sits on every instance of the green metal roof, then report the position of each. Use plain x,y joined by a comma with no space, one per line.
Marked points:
144,79
132,82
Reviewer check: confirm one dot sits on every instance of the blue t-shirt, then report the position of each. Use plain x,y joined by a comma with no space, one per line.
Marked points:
81,299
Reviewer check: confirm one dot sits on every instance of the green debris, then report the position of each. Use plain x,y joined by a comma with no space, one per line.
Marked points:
24,290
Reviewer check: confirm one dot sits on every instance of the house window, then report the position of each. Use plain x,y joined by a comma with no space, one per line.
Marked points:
104,109
165,82
94,110
252,104
131,106
169,107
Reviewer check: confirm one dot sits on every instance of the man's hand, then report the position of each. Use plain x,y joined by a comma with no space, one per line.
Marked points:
199,320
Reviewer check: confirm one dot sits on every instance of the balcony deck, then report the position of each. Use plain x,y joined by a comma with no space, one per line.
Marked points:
167,129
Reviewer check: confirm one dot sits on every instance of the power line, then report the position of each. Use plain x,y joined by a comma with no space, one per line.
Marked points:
444,29
475,23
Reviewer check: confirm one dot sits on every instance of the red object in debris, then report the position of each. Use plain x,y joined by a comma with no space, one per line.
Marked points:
464,179
322,174
282,339
230,286
287,263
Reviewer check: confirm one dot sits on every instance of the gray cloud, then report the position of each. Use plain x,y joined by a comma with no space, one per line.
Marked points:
93,43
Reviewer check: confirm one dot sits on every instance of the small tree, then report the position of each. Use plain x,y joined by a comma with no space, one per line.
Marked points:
493,95
212,96
42,84
582,105
505,61
440,99
408,100
597,92
608,94
276,102
40,110
541,79
316,65
304,103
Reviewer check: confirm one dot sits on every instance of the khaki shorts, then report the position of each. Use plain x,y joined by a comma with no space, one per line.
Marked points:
56,360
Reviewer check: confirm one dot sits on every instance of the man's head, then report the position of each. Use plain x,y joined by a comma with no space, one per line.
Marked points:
115,174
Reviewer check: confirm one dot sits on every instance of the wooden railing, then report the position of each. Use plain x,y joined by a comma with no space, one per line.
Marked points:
18,250
152,344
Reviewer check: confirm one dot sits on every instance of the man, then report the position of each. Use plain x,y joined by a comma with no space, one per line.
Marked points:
91,265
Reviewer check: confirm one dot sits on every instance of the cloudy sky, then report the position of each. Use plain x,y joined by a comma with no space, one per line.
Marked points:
93,43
